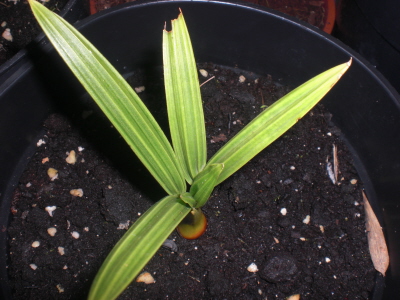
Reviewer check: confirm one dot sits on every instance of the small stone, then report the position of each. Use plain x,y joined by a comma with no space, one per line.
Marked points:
353,181
65,267
50,210
76,192
60,288
322,228
203,72
252,268
33,266
283,211
80,149
146,278
75,234
40,143
242,79
71,158
52,173
294,297
61,250
35,244
86,229
306,219
7,35
52,231
3,24
28,184
327,259
140,89
123,225
45,160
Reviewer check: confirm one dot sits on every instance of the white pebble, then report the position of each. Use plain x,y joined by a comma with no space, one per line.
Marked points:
322,228
292,168
35,244
80,148
40,143
75,234
28,184
86,229
4,24
123,225
356,203
7,35
353,181
76,192
306,219
33,266
146,278
252,268
52,173
140,89
327,259
302,239
203,72
242,79
61,250
65,267
52,231
71,158
60,288
50,210
283,211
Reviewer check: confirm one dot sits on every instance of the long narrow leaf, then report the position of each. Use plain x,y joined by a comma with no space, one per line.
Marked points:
116,98
137,247
275,121
204,183
185,109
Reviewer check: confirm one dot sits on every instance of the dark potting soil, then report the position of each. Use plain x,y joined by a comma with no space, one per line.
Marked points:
281,211
17,17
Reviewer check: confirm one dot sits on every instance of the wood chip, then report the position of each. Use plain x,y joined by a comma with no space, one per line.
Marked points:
376,239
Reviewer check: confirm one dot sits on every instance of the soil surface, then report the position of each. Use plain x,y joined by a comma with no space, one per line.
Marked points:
310,11
281,211
16,16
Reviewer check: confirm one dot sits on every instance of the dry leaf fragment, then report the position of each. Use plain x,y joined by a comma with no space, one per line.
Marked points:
219,138
376,240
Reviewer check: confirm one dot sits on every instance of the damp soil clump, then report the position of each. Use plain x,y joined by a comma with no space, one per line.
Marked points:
281,213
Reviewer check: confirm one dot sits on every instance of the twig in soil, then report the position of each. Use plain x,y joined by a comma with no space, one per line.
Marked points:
194,278
229,123
207,81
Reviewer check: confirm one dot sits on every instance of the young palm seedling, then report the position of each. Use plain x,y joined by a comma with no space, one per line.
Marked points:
185,161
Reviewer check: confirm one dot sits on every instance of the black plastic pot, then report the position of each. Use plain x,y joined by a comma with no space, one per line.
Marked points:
372,29
363,104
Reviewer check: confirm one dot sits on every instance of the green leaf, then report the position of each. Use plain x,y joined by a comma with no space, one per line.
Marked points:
204,183
137,247
116,98
275,121
185,109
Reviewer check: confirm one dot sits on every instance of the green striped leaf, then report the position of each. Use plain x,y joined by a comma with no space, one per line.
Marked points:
204,183
275,121
137,247
116,98
185,109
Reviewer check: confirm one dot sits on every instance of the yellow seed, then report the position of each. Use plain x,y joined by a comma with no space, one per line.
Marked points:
76,192
146,278
53,173
71,158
